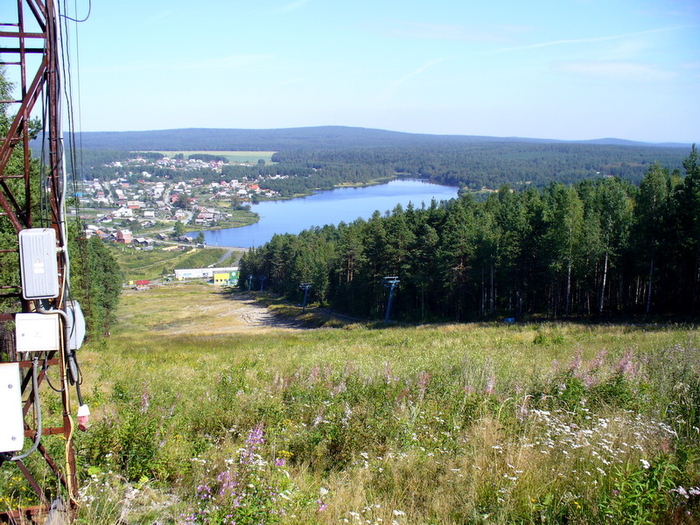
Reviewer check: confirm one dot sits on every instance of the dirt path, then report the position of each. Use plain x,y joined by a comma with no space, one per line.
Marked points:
197,310
256,316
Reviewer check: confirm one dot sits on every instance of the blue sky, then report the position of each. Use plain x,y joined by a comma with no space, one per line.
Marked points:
562,69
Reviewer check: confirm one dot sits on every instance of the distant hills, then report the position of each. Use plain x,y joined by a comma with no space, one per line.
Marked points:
322,137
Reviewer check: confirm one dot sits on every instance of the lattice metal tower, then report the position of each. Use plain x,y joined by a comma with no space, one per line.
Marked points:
41,345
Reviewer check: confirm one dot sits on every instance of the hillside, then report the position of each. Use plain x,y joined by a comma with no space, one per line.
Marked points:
204,393
325,137
309,159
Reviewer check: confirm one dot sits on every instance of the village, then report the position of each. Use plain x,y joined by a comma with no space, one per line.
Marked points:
137,208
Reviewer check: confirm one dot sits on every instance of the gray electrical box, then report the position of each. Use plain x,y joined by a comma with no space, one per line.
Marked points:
76,324
38,263
12,428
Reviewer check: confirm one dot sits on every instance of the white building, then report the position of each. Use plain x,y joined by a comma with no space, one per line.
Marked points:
201,273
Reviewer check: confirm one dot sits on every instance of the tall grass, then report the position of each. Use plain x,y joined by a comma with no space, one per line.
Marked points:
478,423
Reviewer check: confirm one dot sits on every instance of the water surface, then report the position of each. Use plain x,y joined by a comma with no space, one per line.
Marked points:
328,207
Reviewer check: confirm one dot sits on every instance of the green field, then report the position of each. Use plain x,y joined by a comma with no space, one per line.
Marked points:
251,157
200,416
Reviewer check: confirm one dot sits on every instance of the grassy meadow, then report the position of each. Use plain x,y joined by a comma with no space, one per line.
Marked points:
233,156
201,416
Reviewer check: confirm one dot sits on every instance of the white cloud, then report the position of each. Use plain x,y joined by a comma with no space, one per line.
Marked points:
616,70
394,85
580,40
421,30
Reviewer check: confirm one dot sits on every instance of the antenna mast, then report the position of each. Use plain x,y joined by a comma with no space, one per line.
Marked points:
46,321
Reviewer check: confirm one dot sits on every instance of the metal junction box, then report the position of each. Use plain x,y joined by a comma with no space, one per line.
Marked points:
38,263
37,332
12,428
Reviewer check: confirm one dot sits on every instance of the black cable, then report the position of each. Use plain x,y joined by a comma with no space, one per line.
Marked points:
77,386
42,165
75,375
84,19
44,368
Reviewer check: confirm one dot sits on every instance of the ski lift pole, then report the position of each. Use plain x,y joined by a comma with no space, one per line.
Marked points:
390,282
262,282
250,282
305,287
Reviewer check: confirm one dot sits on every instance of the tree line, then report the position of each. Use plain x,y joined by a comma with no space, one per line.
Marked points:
309,159
476,165
599,247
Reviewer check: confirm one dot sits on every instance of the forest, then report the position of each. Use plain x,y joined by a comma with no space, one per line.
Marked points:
598,248
491,164
309,159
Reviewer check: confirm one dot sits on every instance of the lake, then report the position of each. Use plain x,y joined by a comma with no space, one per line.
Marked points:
328,207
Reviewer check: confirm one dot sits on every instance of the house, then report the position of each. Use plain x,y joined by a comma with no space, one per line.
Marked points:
124,237
204,217
143,241
123,213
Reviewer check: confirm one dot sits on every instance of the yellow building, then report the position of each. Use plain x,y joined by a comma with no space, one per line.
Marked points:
222,278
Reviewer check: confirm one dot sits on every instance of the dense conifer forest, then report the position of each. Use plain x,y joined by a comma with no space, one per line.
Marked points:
598,247
309,159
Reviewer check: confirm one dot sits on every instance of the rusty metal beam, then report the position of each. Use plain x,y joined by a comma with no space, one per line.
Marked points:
17,215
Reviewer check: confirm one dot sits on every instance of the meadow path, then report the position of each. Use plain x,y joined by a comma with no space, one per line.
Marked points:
198,310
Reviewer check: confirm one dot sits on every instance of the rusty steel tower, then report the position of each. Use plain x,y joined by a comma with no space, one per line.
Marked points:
38,343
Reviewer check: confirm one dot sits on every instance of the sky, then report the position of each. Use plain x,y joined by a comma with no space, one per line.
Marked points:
560,69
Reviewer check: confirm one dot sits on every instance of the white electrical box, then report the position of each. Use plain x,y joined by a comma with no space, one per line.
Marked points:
12,428
38,263
37,332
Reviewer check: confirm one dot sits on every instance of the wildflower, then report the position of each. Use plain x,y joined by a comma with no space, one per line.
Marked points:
423,381
490,385
523,410
598,361
576,362
314,374
388,377
626,365
252,444
681,491
145,403
645,463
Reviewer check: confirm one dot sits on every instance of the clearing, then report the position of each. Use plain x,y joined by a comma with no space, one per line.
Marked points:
184,308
